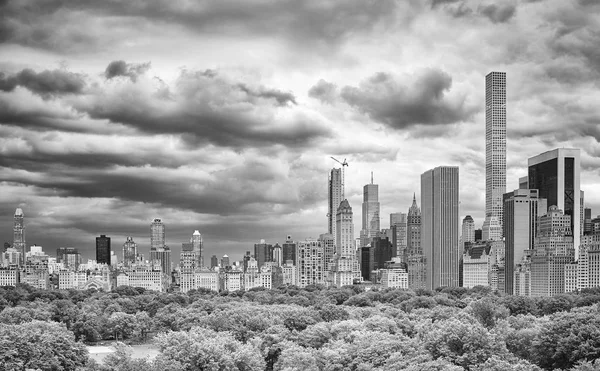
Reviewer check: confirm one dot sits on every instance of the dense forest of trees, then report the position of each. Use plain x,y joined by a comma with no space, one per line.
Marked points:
289,328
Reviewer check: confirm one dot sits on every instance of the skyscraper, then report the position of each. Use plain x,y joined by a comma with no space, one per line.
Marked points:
416,261
198,247
289,250
495,146
263,252
214,262
19,234
440,220
335,197
129,252
398,226
345,265
157,238
468,231
103,249
522,207
310,263
556,175
370,213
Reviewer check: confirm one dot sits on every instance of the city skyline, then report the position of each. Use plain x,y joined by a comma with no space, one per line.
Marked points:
101,132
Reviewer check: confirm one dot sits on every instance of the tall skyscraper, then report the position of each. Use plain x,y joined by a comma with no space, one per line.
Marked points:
522,207
335,197
468,231
198,247
345,265
19,234
370,213
416,260
214,262
263,252
556,175
398,225
440,221
130,253
495,145
289,250
103,249
157,238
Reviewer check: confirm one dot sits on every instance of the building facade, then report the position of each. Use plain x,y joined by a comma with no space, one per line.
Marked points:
440,226
311,263
19,233
335,198
103,249
370,213
345,266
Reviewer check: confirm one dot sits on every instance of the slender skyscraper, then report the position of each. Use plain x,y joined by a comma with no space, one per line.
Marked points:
495,147
157,238
345,265
440,220
556,175
468,231
198,247
19,234
370,213
129,252
335,198
103,249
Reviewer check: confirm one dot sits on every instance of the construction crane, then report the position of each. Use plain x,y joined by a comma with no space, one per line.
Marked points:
344,164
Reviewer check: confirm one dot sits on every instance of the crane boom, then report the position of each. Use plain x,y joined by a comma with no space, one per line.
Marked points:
344,164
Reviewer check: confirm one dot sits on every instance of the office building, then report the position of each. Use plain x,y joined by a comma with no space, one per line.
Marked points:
476,265
440,225
335,198
263,252
277,255
130,253
495,152
9,276
103,249
587,221
289,250
157,236
198,247
370,213
491,229
214,262
556,175
225,262
69,257
588,264
398,226
522,207
394,275
19,233
415,258
328,242
468,231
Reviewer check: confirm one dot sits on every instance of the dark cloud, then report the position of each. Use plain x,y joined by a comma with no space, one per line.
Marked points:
324,91
435,3
131,70
282,98
387,100
56,24
45,83
498,13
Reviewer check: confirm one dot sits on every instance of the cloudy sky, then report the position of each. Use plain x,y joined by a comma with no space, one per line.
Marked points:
222,116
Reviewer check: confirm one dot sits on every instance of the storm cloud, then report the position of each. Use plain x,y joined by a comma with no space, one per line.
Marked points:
404,102
45,83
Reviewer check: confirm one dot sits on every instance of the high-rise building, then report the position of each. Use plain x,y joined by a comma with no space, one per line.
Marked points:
19,233
327,241
225,262
103,249
311,263
69,256
263,252
277,255
398,225
440,224
157,237
556,175
522,207
130,253
553,249
162,257
289,250
198,246
468,231
335,198
345,265
370,213
495,146
214,261
587,221
491,229
416,260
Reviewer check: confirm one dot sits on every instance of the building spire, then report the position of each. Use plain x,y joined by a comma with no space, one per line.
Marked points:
415,199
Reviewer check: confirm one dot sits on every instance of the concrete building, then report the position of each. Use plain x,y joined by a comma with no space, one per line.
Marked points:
495,152
440,225
394,275
468,231
9,276
588,264
289,250
103,249
477,265
370,213
491,229
398,226
553,250
328,242
263,252
157,234
162,257
345,267
335,198
130,253
19,234
198,247
231,280
69,257
290,275
555,174
415,258
149,277
522,277
214,262
311,263
522,207
206,279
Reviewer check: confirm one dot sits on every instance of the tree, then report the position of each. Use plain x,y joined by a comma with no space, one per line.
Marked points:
122,325
40,345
